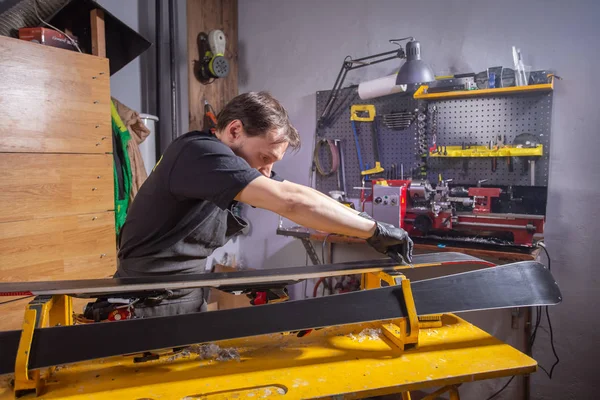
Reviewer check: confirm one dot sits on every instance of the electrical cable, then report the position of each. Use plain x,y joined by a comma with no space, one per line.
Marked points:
53,27
323,248
306,280
501,389
13,300
552,345
538,321
321,280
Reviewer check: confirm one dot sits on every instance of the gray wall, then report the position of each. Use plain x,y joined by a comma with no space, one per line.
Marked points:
135,84
294,48
126,85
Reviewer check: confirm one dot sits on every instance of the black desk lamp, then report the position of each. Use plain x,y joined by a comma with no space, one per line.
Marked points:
414,71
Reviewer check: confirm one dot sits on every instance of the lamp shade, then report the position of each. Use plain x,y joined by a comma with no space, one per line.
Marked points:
414,69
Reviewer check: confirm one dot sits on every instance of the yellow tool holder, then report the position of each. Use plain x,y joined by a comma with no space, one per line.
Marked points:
484,151
355,109
421,92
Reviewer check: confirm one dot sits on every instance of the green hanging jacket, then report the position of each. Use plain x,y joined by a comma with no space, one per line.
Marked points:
122,168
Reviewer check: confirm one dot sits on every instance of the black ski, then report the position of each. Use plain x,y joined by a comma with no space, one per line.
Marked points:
520,284
269,278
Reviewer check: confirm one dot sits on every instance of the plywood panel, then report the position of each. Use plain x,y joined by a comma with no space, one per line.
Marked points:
69,247
49,185
204,16
72,247
53,100
12,313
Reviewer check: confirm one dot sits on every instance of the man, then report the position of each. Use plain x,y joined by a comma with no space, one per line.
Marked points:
182,213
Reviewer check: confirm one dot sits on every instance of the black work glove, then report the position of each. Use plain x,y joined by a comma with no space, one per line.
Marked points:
393,242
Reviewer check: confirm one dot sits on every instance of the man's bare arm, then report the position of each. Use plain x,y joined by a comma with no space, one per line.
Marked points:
331,199
306,207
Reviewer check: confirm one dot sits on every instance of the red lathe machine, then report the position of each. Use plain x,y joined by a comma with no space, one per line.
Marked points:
454,213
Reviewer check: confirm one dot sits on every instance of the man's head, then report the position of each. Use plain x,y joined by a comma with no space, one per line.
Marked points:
257,128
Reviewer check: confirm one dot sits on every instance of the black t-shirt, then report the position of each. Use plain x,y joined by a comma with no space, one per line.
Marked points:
182,212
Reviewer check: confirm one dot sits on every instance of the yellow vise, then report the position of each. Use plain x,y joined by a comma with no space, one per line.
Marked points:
41,312
403,332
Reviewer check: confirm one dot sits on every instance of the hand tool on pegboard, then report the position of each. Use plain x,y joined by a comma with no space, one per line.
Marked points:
527,140
341,172
366,113
399,120
210,118
422,148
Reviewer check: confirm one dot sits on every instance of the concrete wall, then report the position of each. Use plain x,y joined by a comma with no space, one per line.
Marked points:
294,48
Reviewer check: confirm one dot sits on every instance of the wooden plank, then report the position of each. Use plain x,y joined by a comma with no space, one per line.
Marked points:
204,16
51,185
67,247
53,100
98,33
72,247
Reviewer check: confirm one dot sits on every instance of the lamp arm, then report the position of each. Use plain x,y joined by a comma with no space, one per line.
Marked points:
348,65
395,41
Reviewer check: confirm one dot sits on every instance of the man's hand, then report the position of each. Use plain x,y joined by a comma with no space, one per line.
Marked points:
393,242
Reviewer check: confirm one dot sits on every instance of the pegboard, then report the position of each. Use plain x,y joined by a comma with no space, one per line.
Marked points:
479,120
467,120
395,146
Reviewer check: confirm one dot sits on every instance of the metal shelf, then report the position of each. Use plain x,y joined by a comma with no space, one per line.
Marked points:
484,151
421,93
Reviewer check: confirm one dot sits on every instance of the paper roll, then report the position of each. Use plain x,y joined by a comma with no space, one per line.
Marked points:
379,87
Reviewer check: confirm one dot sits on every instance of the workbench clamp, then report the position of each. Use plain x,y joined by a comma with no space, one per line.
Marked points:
41,312
401,331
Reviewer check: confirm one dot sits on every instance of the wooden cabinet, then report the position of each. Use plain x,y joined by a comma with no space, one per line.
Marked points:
56,170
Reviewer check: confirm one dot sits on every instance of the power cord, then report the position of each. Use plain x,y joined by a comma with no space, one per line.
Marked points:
501,389
538,320
323,247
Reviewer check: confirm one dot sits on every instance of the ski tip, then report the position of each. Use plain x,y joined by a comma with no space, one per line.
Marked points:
547,285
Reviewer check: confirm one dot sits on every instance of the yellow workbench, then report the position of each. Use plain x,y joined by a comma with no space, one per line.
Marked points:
324,364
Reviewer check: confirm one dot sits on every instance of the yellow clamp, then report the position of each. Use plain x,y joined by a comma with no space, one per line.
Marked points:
357,108
376,170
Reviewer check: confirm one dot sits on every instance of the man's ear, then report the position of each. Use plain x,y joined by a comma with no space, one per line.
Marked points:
235,129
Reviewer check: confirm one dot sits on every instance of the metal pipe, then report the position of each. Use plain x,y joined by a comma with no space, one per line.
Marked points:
173,72
523,227
342,167
157,39
532,172
336,143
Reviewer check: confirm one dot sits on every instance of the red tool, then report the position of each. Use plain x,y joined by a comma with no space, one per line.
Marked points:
428,211
483,198
210,118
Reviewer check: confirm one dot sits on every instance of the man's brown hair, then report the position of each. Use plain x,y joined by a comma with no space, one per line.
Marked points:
260,113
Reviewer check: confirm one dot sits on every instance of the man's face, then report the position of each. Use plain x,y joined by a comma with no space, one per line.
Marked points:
261,152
